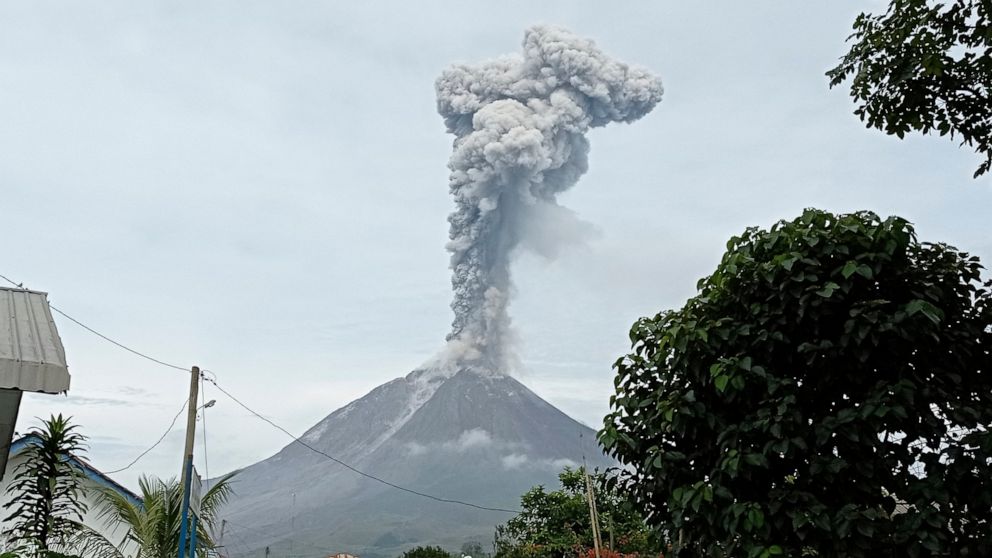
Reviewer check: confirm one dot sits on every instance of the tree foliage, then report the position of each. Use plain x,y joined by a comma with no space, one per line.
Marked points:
49,506
475,550
828,390
557,524
924,66
426,552
153,525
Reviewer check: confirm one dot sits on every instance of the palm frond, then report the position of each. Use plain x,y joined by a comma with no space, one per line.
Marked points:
86,541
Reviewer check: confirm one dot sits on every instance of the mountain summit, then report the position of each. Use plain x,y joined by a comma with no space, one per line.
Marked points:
470,435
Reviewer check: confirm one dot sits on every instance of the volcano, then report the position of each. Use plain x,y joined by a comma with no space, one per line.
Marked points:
458,432
472,436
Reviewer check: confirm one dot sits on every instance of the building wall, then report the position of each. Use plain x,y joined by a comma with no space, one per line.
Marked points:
114,533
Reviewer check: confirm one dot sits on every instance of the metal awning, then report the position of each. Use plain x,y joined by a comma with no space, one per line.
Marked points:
31,353
31,356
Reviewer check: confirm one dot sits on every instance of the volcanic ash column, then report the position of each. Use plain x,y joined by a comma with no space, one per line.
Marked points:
519,124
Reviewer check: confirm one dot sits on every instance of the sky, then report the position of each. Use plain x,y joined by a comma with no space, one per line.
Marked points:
260,189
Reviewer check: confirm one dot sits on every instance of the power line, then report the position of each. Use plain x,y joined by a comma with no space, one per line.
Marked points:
98,334
171,424
11,281
250,410
323,551
206,463
236,539
349,467
125,347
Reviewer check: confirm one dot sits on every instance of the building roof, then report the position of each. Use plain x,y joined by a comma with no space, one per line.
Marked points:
91,472
31,354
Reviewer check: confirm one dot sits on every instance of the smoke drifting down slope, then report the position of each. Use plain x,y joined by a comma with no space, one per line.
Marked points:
519,124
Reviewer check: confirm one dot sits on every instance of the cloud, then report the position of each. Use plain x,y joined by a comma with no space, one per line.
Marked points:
562,462
97,401
413,448
134,391
519,461
514,460
471,439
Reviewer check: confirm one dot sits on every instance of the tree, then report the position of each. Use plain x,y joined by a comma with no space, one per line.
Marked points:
426,552
924,66
47,512
474,550
557,524
827,391
153,525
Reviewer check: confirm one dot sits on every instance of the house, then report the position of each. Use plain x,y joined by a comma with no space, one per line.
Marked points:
93,482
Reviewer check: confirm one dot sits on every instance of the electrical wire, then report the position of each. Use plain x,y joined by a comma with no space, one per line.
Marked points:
353,469
97,333
236,539
12,282
256,414
206,463
248,530
171,425
121,345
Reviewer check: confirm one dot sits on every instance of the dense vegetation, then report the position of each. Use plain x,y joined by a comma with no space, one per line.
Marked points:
557,523
827,392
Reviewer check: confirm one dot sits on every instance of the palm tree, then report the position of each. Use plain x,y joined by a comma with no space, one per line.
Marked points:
153,525
49,505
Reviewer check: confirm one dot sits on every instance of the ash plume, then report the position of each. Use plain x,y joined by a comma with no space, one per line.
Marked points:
519,124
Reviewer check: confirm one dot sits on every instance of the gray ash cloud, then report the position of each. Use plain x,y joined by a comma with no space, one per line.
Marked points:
520,124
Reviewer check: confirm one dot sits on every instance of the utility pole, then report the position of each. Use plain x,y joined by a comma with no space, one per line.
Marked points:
194,384
220,540
292,525
593,516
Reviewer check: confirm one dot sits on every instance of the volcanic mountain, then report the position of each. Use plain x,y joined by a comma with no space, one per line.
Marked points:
472,436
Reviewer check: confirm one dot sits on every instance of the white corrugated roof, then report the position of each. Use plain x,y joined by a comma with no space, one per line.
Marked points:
31,353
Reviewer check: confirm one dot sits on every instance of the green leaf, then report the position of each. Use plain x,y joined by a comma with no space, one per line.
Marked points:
849,269
721,382
708,493
756,518
931,312
756,459
828,289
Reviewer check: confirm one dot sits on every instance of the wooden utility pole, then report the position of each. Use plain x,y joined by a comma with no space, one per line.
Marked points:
194,385
194,391
593,516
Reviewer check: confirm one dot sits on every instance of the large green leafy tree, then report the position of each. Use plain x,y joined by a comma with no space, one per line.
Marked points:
48,483
153,525
557,523
827,392
924,66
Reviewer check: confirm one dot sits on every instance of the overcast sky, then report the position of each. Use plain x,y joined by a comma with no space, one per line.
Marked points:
260,189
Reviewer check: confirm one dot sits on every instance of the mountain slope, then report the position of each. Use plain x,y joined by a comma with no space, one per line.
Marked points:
479,438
